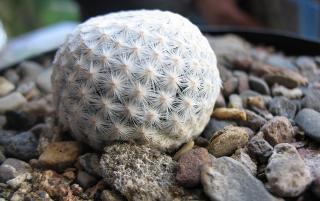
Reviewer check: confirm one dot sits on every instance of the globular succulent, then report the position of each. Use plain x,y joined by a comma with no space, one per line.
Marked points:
146,76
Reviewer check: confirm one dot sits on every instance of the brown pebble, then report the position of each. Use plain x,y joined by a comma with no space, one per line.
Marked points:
256,101
229,114
184,149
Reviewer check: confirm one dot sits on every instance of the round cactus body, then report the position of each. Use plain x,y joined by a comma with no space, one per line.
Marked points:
144,76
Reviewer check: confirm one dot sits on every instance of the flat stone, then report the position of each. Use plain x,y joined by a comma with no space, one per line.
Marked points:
44,80
278,90
5,86
311,99
307,120
281,106
287,174
278,130
11,102
228,140
259,85
241,156
90,163
11,168
228,180
85,180
215,125
229,114
235,101
286,80
189,166
259,148
22,146
60,154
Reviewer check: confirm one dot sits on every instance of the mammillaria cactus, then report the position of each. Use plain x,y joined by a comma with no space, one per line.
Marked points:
144,76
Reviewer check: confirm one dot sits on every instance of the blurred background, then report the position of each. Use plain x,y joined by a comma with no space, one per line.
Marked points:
295,16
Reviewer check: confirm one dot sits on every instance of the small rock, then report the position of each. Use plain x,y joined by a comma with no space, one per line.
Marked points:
44,80
229,114
201,142
213,126
259,85
188,174
278,90
220,102
242,63
16,182
256,101
228,140
229,86
311,99
307,120
278,130
90,163
235,101
286,80
247,94
259,148
29,70
5,86
281,106
241,156
69,174
12,76
11,168
60,154
28,89
308,67
280,61
85,180
253,120
107,195
243,81
229,180
76,189
287,174
22,146
39,107
11,102
183,150
19,121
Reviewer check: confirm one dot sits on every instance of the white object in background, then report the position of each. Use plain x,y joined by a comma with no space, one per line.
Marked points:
3,37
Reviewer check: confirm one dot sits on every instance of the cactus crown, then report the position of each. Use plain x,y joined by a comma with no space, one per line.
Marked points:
136,75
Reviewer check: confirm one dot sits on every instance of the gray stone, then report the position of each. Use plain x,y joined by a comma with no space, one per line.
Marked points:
11,168
308,68
12,76
286,172
281,106
259,148
280,61
11,102
278,90
215,125
229,86
253,120
308,120
259,85
5,136
243,81
235,101
311,99
90,163
22,146
29,70
228,180
85,180
44,80
241,156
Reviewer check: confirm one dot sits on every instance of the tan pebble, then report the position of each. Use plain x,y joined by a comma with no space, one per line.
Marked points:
229,114
5,86
256,101
184,149
11,102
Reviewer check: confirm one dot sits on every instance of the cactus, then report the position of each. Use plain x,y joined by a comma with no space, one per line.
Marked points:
143,76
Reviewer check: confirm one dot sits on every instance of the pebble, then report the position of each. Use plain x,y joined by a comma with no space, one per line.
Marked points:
107,195
256,101
259,148
278,130
5,136
281,61
288,80
11,168
201,142
259,85
29,70
62,154
229,86
253,120
220,102
278,90
12,76
85,180
11,102
189,166
246,94
22,146
183,150
235,101
5,86
308,67
241,156
281,106
228,140
307,120
243,81
215,125
311,99
39,107
228,180
229,114
287,174
19,121
2,156
90,163
242,63
44,80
